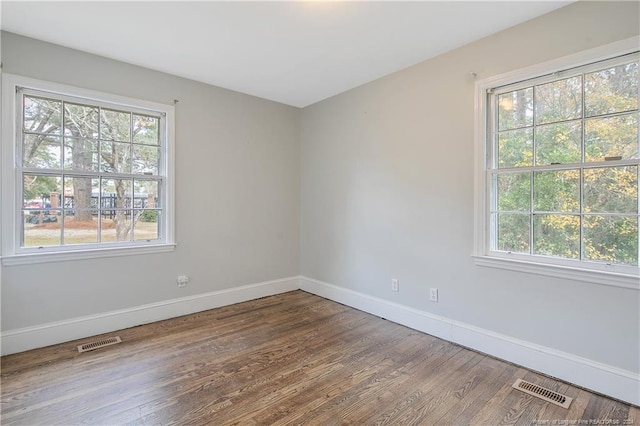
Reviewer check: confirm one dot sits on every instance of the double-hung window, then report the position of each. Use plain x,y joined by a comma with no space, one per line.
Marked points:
90,171
560,168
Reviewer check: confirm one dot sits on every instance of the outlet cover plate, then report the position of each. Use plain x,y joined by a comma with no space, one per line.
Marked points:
433,294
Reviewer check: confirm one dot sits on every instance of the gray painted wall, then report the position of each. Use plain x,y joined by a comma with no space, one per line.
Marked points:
386,177
387,192
237,194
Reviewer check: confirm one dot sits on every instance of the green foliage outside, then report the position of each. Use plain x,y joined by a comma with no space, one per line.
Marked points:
35,187
545,212
149,216
66,139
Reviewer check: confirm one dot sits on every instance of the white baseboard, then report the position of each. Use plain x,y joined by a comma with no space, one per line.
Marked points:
23,339
602,378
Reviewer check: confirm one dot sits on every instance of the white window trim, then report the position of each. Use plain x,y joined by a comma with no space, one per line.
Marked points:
605,275
9,249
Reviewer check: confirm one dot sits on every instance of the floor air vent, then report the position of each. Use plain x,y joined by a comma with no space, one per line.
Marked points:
99,344
542,393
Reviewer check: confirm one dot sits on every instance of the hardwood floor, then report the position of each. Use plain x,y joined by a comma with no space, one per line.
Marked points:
293,358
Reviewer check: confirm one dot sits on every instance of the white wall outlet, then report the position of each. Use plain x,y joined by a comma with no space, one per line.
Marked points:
433,294
182,280
395,285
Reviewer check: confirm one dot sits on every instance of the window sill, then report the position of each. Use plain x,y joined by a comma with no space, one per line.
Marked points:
586,275
65,256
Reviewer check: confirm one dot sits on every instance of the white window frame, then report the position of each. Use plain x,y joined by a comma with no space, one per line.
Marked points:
11,178
604,274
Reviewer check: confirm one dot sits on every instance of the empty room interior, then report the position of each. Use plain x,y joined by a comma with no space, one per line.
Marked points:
320,213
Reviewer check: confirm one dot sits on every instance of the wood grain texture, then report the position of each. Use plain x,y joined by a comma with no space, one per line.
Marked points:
293,358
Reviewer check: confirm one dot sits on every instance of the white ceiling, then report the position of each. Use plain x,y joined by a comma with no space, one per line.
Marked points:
295,52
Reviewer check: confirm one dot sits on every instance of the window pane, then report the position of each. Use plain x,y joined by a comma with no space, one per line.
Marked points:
145,130
41,151
611,239
76,161
41,229
611,190
115,157
515,109
559,143
81,193
80,121
81,154
81,226
115,225
556,235
116,193
558,101
41,191
514,191
611,137
515,148
145,159
42,115
556,191
513,232
146,194
115,125
146,225
588,124
611,90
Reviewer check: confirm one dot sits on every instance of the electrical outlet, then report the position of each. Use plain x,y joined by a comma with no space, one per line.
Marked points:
182,280
395,285
433,294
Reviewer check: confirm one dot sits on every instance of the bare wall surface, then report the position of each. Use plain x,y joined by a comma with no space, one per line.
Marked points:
386,177
237,194
387,192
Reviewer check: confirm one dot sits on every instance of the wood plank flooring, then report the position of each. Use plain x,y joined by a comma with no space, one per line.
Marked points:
293,358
